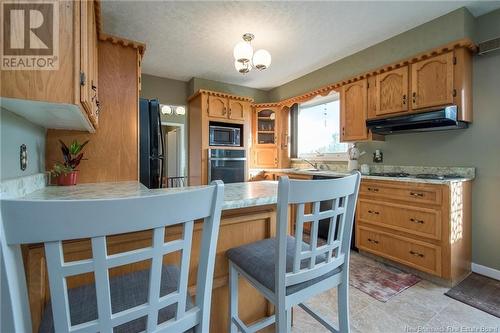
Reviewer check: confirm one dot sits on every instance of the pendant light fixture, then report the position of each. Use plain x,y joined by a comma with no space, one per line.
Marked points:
245,59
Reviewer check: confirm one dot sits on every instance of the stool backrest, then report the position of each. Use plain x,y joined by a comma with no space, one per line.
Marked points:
316,259
53,221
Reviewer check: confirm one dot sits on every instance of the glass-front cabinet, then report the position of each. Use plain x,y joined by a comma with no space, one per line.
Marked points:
266,137
266,125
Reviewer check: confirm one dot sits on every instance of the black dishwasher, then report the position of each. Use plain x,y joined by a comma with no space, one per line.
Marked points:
324,225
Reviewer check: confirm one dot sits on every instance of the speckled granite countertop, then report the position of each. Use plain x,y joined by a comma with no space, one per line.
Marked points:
463,174
237,195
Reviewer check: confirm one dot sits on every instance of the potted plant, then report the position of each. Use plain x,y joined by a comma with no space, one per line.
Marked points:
66,172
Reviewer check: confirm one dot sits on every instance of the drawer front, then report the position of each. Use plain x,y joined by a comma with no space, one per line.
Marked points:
416,193
420,255
415,220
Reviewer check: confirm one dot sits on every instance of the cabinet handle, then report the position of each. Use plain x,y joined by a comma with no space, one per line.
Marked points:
414,95
416,194
224,111
373,241
373,212
404,99
416,254
82,78
371,189
229,112
417,221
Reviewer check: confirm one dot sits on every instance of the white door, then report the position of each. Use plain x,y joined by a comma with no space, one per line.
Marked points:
173,152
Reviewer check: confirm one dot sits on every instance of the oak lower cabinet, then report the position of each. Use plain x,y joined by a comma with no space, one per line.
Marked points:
75,81
424,226
265,157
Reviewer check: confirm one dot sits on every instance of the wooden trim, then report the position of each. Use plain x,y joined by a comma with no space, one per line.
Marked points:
98,17
219,94
325,90
267,105
141,47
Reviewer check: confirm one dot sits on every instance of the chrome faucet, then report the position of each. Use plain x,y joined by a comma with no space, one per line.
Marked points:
314,165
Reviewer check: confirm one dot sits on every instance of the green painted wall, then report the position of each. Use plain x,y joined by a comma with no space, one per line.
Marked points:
258,95
477,146
14,131
168,91
447,28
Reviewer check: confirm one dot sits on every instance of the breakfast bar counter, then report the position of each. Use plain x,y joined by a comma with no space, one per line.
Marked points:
249,214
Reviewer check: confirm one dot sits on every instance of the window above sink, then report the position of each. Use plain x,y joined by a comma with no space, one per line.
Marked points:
318,130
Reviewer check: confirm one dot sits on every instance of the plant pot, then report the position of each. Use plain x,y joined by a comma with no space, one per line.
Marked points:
67,179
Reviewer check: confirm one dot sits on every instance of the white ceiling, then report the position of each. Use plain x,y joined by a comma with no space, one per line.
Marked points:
195,39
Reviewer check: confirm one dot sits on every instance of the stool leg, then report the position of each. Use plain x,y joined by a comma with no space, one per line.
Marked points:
289,320
343,306
281,320
233,297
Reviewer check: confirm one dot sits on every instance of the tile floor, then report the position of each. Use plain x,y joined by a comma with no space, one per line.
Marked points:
420,308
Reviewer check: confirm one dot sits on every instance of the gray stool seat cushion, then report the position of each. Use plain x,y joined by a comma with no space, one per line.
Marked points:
258,260
127,291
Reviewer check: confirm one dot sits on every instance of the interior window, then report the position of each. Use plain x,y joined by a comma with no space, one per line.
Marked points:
318,130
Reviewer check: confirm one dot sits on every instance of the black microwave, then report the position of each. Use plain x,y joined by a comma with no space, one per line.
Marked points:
225,135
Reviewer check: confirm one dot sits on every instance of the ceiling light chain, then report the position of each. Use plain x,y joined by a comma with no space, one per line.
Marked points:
245,59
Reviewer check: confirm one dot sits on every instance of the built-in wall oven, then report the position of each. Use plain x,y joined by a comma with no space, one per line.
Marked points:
222,134
227,165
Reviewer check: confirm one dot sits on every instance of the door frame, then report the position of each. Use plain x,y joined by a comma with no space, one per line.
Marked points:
182,145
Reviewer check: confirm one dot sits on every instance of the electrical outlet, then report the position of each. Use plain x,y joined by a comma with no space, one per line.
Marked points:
378,156
23,157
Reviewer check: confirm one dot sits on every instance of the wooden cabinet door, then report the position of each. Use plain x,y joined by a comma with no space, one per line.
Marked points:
88,60
266,127
265,157
238,109
217,107
372,97
353,111
432,81
392,91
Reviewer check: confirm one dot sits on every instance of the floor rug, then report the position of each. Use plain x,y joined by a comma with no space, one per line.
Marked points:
478,291
378,280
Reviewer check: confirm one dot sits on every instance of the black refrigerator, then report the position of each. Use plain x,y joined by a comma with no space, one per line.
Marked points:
151,149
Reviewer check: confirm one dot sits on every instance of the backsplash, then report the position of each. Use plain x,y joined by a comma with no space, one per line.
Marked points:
462,171
340,166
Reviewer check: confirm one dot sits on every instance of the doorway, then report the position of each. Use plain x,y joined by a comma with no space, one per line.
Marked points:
175,151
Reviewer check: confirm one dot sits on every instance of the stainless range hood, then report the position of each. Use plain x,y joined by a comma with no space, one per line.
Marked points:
437,120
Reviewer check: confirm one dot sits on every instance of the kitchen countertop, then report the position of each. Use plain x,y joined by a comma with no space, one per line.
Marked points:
328,173
237,195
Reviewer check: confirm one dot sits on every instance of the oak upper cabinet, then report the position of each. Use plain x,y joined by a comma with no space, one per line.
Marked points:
217,107
353,115
238,109
392,91
74,82
227,108
265,157
432,81
89,61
